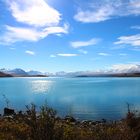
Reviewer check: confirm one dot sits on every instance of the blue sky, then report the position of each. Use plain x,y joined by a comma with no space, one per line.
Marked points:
63,35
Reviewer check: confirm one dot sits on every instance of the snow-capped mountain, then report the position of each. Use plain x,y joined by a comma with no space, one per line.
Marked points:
32,72
115,70
16,71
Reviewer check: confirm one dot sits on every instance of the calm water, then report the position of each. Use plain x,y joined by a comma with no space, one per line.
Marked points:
84,98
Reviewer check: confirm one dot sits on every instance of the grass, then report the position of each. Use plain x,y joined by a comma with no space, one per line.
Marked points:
46,126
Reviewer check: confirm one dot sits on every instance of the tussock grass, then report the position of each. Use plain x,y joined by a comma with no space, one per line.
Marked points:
46,126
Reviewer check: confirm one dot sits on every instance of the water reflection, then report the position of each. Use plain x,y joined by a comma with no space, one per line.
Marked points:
40,86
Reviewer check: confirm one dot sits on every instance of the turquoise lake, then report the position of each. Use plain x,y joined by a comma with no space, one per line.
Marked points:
84,98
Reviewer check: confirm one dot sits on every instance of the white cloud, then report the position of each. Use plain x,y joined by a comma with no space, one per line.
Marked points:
94,16
30,52
135,27
15,34
67,54
122,54
122,68
39,19
12,48
52,56
34,12
57,30
134,7
103,54
133,40
78,44
102,10
83,51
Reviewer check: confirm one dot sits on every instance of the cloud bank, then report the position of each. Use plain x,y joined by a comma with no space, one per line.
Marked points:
35,20
103,10
34,12
16,34
133,40
125,68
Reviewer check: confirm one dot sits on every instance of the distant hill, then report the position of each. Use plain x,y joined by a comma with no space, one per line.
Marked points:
36,76
126,75
32,72
112,75
17,72
22,73
5,75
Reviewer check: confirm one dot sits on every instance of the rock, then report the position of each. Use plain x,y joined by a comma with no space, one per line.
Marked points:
8,111
92,123
85,123
104,120
58,118
98,122
77,123
28,112
70,119
20,112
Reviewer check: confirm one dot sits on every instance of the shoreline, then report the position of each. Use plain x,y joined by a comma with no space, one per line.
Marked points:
11,112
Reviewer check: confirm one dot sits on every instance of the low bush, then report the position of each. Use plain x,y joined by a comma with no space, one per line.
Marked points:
45,125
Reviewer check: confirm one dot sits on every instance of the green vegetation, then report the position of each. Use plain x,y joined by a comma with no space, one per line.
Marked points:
45,125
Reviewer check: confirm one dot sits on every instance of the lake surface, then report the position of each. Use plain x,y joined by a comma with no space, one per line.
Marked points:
84,98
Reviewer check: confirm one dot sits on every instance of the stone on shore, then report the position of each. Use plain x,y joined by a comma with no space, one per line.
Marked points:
8,111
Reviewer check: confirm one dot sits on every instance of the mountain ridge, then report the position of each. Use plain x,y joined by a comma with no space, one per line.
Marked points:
116,71
2,74
18,72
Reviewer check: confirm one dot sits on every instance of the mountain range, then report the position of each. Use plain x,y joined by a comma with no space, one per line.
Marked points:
20,72
115,71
